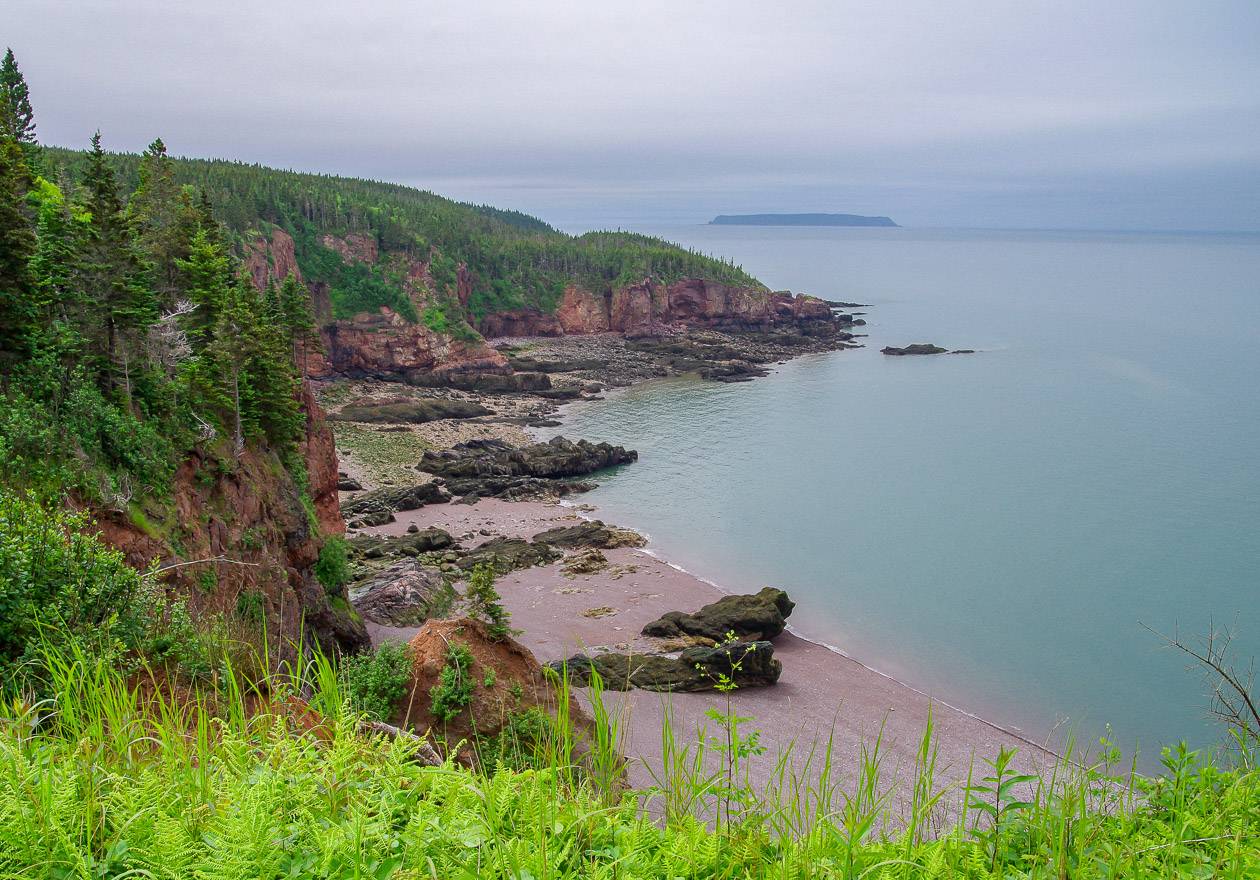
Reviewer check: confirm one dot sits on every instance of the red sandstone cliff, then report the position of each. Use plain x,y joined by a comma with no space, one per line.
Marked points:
384,343
650,308
249,516
381,342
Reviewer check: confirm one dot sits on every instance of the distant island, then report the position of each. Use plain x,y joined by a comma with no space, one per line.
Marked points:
799,220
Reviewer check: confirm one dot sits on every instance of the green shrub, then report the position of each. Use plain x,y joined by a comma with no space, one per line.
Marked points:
62,588
58,581
520,745
250,606
332,569
252,539
105,781
374,682
485,603
454,689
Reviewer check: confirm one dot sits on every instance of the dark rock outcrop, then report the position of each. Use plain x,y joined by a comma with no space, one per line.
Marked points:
378,506
508,554
917,348
405,594
759,616
480,381
408,410
486,468
749,664
529,365
592,533
429,540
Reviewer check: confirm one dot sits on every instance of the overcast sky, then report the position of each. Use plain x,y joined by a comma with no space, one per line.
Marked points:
1069,113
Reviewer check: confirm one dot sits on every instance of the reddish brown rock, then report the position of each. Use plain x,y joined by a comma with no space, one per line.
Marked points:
272,259
244,527
385,343
582,312
354,248
520,322
517,684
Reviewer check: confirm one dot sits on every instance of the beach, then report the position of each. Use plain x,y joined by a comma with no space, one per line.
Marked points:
821,693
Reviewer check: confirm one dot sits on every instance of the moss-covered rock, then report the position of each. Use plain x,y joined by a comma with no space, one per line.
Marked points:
748,664
760,615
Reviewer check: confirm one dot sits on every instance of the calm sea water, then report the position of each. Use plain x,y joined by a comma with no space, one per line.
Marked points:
993,528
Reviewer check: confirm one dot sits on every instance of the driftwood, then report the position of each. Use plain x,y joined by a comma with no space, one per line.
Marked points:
424,753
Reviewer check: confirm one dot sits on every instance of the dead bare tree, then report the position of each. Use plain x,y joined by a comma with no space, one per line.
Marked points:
1234,702
167,342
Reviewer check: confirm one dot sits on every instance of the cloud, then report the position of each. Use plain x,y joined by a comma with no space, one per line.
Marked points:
915,103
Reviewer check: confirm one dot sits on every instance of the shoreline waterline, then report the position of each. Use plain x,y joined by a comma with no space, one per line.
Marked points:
587,512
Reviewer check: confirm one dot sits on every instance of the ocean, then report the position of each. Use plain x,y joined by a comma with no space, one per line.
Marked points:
996,528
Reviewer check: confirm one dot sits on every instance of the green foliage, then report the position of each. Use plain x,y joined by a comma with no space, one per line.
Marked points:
490,678
435,319
63,589
332,569
58,581
352,287
251,607
374,682
510,260
17,119
454,690
485,603
521,744
106,780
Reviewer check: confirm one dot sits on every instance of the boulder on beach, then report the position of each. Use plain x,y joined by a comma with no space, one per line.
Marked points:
376,507
748,664
508,554
408,410
494,468
591,533
505,678
760,616
411,544
404,594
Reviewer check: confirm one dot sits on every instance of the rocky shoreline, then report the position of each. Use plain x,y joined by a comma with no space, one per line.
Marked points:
583,592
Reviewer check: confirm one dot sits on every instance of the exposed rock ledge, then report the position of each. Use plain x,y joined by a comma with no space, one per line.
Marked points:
923,348
650,308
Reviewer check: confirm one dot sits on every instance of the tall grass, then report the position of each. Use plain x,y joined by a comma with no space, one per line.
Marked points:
113,777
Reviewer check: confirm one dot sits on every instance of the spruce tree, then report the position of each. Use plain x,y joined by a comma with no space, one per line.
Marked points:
17,119
207,276
295,314
164,219
53,263
120,304
17,245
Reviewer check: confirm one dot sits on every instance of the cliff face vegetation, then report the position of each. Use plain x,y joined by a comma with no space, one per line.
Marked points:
405,281
147,382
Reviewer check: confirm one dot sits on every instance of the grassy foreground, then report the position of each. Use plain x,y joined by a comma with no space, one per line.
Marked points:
106,779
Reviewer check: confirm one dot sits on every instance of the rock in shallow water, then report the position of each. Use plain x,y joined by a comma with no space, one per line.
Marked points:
917,348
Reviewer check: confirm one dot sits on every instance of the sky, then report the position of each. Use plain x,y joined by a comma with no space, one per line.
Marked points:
1062,114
